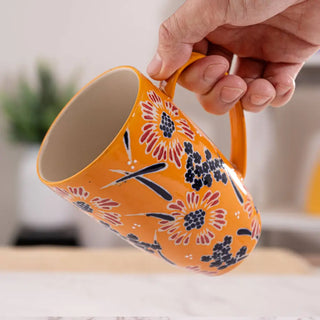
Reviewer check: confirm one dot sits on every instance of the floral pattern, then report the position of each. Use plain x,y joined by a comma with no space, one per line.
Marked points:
194,219
200,173
96,207
153,248
221,257
248,207
255,231
159,134
255,228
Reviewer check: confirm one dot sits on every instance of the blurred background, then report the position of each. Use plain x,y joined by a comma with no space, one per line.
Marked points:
50,49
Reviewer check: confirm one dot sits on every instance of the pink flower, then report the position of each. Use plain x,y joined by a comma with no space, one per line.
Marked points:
100,208
248,207
255,228
161,132
194,220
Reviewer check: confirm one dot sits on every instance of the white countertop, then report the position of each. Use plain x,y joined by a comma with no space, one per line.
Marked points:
175,296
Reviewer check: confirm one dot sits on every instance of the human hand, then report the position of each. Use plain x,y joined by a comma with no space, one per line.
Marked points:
272,40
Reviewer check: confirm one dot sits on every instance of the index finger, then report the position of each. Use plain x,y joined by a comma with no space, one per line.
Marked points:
177,35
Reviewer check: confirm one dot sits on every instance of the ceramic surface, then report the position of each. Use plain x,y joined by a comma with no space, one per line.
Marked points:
163,186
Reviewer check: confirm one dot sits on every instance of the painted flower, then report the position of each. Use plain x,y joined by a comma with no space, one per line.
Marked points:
248,207
221,256
255,228
194,219
96,206
160,133
61,192
255,222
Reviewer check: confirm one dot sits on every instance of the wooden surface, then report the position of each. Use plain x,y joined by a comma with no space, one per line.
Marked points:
262,260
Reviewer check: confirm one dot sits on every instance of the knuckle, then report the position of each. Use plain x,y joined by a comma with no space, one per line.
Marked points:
165,33
172,29
169,30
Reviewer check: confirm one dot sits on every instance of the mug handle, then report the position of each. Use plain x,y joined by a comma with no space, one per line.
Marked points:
238,156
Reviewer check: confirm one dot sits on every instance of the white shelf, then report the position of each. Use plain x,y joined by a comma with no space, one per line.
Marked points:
290,220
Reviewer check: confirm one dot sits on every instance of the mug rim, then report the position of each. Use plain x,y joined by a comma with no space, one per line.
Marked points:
62,111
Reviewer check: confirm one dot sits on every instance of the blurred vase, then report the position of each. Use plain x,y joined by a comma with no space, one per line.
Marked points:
38,208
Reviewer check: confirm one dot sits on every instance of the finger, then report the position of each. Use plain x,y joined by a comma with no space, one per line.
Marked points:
260,93
249,69
282,76
224,94
214,49
201,46
177,35
203,74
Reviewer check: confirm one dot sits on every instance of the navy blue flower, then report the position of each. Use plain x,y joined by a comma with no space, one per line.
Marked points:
207,180
150,247
227,257
242,251
224,178
218,246
221,256
189,176
189,163
188,148
225,250
197,157
83,206
205,167
212,165
208,154
216,255
197,184
227,240
206,258
217,163
217,175
216,263
198,170
132,237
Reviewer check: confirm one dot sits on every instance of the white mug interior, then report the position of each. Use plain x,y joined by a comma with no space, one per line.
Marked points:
88,124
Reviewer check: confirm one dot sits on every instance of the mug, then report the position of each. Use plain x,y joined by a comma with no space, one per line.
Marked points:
122,152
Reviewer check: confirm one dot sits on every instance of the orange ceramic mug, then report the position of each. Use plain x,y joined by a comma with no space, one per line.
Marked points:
122,152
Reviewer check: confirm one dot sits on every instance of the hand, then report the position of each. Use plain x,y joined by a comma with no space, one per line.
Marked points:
272,40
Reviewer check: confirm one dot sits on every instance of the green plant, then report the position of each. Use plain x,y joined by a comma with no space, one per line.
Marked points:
30,111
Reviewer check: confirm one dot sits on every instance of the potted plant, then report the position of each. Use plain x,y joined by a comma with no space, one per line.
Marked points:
30,110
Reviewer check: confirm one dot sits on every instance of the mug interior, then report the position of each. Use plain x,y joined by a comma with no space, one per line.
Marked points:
88,124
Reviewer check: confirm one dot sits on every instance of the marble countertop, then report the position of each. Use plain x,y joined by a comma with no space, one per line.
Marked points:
165,318
168,296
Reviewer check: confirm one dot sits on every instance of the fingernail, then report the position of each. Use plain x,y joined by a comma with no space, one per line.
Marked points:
155,65
213,71
282,89
259,100
229,94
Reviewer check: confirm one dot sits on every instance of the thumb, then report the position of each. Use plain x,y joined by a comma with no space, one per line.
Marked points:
195,19
188,25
